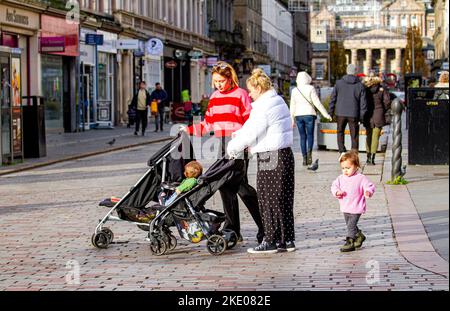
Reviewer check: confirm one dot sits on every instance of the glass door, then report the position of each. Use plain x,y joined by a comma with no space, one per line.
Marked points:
52,83
5,110
105,89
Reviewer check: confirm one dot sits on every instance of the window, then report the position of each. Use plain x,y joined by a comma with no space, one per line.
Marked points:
320,71
431,25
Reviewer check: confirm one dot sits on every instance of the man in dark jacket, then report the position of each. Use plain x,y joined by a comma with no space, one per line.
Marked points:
140,102
161,97
348,103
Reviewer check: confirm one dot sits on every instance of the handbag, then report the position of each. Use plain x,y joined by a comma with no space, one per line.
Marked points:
154,107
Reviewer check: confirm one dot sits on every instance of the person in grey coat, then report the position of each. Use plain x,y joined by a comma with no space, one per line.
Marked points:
348,103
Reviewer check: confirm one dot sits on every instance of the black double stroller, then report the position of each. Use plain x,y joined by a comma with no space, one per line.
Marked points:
143,204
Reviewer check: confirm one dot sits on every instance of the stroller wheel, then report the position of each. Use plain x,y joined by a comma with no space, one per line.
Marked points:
157,246
109,234
231,238
170,240
216,245
100,240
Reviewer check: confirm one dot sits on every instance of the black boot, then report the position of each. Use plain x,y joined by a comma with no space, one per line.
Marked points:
309,158
369,159
305,161
373,159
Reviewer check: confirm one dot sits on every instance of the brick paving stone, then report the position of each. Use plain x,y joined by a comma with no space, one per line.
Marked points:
49,215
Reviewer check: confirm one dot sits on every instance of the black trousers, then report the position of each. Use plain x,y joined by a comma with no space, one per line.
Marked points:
247,194
276,185
351,221
141,116
353,124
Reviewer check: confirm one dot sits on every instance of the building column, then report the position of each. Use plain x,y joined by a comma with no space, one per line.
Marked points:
368,62
383,60
408,21
127,82
424,26
354,57
35,68
398,61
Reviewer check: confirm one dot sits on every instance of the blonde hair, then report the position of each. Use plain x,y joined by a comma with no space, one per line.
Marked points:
225,70
193,169
260,78
443,78
352,157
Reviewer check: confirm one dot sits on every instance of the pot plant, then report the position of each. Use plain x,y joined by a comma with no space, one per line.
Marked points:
327,133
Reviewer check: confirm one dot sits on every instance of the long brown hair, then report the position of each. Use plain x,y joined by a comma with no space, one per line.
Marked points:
226,70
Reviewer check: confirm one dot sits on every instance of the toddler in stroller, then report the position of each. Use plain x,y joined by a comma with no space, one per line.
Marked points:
185,211
192,171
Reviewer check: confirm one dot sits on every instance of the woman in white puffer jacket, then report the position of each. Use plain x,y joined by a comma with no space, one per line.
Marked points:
304,101
268,133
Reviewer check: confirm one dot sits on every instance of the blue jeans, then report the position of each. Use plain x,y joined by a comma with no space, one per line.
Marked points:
306,126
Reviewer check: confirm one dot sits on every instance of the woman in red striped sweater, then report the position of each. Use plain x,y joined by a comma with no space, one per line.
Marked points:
229,108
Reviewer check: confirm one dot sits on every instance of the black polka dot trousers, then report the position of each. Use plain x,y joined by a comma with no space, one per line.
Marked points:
275,186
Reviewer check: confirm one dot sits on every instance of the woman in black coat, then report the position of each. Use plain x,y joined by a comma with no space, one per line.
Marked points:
378,102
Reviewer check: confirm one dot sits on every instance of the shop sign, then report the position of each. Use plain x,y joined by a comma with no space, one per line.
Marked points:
54,27
52,44
171,64
155,47
127,44
109,42
87,54
18,17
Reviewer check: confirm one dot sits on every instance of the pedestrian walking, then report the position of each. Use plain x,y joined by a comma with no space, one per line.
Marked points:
378,103
269,134
161,97
352,189
348,103
141,101
228,109
304,102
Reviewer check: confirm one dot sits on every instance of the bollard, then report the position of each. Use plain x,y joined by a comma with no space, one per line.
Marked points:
396,110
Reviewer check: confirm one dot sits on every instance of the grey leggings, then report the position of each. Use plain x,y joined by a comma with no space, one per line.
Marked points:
352,224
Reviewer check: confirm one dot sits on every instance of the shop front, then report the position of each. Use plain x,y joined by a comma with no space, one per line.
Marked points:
88,82
11,136
59,48
107,68
18,29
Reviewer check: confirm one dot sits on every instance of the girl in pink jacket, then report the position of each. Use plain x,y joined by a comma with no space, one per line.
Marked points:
352,189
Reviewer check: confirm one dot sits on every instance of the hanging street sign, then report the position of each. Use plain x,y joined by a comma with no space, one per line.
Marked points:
94,39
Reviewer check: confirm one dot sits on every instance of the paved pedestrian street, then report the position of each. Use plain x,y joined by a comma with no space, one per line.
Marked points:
49,214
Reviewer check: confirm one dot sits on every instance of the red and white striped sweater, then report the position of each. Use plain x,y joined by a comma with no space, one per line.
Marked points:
227,112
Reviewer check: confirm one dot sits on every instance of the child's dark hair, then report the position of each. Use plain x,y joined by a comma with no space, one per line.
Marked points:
351,156
193,169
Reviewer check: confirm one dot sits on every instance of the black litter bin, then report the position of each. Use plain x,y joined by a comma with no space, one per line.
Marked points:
34,140
428,126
